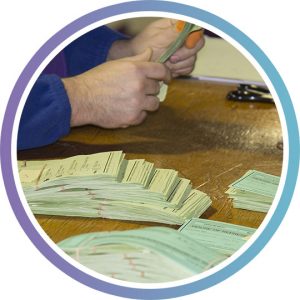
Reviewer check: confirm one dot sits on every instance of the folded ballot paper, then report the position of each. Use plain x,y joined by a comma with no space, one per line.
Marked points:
254,191
186,30
149,255
109,186
222,237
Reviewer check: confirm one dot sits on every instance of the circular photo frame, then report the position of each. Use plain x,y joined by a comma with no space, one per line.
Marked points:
292,138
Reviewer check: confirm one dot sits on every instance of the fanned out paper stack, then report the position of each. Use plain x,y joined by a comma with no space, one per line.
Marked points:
109,186
154,254
254,191
222,237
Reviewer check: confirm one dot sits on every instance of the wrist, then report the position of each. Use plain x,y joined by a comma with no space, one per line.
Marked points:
78,101
120,49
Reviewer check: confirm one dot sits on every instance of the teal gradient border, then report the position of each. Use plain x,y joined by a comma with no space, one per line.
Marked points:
150,6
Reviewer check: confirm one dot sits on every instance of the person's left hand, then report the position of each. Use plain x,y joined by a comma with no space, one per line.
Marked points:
182,62
158,36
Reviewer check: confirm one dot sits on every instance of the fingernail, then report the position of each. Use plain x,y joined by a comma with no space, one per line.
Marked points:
174,59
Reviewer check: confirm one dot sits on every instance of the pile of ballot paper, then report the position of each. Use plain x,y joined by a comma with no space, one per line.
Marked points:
157,254
254,191
109,186
154,254
222,237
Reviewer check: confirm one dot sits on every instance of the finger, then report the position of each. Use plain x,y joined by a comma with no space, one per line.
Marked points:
180,25
157,71
144,56
183,52
185,71
151,103
175,75
189,62
152,87
140,118
164,23
174,22
193,39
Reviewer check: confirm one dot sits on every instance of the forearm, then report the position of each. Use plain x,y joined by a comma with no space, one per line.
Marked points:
77,92
120,49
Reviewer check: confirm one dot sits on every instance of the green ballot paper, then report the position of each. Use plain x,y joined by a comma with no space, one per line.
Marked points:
222,237
254,191
187,29
149,255
109,186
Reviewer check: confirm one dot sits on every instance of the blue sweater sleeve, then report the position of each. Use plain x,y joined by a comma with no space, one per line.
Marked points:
47,112
46,115
90,50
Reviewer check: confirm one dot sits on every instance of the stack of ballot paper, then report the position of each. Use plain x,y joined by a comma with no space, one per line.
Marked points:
222,237
254,191
109,186
149,255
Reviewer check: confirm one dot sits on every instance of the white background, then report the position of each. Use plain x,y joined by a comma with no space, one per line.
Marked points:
25,26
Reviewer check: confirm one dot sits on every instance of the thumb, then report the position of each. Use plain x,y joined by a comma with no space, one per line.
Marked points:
144,56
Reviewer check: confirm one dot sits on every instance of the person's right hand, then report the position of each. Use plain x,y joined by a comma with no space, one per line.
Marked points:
117,93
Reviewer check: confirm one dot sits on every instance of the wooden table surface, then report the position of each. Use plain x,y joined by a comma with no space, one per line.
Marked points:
197,132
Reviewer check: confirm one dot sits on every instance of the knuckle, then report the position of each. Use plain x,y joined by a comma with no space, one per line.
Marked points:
136,88
139,86
131,118
170,65
133,68
161,69
136,118
135,103
141,117
155,104
165,71
189,70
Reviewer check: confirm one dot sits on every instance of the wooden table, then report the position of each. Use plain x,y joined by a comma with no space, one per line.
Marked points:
196,131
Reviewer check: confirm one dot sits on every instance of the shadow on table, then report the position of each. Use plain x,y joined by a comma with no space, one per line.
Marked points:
172,133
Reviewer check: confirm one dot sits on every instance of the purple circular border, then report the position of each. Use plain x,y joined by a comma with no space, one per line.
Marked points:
39,242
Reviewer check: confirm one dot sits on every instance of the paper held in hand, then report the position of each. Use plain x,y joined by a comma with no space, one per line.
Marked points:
187,29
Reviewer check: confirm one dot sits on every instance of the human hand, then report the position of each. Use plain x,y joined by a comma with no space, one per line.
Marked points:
182,62
159,35
117,93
